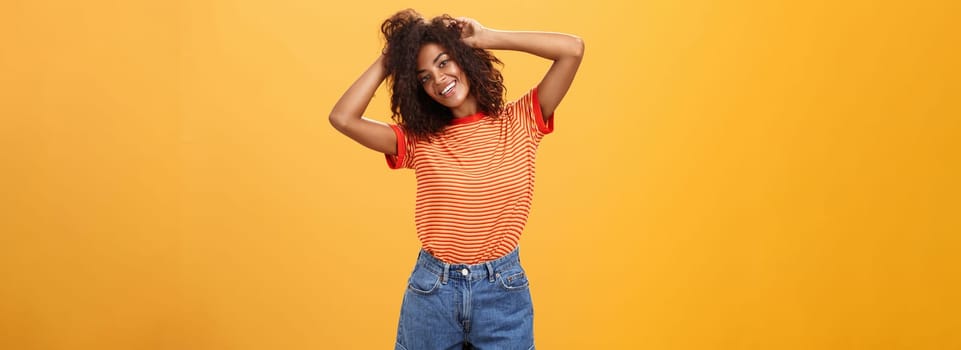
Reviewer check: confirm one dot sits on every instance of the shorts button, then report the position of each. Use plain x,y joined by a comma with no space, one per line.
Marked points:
464,272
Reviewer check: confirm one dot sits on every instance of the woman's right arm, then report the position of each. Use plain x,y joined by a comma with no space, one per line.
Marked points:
347,115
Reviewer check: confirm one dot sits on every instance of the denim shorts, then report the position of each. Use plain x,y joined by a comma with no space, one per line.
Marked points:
452,307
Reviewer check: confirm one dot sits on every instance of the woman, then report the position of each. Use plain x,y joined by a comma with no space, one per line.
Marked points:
473,155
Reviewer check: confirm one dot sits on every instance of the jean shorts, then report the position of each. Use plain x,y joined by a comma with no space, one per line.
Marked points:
453,307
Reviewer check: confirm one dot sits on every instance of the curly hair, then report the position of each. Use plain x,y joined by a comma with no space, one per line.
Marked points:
411,107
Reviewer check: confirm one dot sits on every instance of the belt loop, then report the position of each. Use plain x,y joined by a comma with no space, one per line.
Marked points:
443,278
490,271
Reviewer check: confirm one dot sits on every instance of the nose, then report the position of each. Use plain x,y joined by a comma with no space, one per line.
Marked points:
440,79
440,83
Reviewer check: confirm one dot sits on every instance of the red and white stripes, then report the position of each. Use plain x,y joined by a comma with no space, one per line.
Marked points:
475,181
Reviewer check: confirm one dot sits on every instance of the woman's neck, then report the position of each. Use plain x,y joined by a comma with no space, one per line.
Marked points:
468,108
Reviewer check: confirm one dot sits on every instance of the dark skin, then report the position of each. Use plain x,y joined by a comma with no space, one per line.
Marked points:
437,74
436,71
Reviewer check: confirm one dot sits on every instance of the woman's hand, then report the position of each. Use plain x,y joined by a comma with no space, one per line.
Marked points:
472,32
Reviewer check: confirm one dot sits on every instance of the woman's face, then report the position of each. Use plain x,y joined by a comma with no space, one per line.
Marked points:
443,80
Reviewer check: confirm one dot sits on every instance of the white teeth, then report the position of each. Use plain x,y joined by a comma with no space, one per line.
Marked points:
448,88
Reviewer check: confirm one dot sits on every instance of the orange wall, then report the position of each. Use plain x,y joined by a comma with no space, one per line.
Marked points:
724,175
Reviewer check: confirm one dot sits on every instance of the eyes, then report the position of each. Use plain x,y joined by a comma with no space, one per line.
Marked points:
424,78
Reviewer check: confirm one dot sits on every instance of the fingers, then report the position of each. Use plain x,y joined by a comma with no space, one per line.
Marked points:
459,22
470,30
468,22
452,22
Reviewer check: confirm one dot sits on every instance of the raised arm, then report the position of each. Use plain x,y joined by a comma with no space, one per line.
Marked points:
347,115
564,49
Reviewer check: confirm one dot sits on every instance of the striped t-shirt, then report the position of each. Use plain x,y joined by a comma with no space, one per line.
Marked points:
475,181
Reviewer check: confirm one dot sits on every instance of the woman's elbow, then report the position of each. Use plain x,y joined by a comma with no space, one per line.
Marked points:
338,122
577,46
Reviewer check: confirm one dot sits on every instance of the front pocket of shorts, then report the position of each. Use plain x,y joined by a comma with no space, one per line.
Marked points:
514,279
423,281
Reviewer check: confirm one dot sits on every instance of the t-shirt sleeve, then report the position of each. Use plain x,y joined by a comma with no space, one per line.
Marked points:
528,109
405,150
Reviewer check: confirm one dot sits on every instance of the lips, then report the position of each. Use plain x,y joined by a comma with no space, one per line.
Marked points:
449,90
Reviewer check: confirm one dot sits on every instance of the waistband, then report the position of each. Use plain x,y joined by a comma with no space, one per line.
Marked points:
488,269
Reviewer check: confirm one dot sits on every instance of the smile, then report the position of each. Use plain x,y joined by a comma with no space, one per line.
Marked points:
447,90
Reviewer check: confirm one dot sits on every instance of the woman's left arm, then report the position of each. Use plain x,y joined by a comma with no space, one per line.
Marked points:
564,49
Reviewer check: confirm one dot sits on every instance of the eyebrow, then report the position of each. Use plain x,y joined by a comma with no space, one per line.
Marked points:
434,62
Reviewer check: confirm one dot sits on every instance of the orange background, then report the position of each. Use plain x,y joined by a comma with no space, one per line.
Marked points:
724,175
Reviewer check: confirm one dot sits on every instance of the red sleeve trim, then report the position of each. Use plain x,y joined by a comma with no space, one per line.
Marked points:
397,161
544,127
